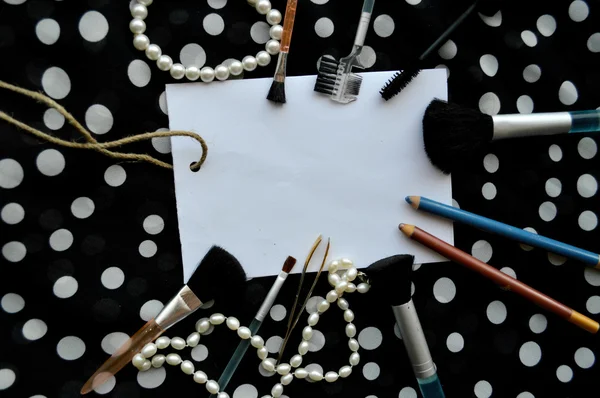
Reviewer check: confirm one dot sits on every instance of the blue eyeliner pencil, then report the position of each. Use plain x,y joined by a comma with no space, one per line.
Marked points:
505,230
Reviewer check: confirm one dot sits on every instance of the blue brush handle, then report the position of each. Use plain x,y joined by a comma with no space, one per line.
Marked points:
431,387
505,230
585,121
368,6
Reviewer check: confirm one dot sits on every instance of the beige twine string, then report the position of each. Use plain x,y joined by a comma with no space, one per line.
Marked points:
91,141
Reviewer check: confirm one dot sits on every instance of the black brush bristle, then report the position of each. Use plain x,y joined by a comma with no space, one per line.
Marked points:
219,276
453,134
399,82
277,92
391,278
326,76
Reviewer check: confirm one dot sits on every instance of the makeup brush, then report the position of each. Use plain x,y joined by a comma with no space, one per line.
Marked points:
453,133
391,282
277,90
264,309
219,277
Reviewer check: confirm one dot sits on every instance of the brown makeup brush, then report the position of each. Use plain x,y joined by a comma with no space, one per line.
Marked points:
218,267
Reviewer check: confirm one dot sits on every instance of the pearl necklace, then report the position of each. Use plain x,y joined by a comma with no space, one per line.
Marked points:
141,42
341,274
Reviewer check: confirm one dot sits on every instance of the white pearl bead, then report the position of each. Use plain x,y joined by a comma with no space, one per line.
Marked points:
207,74
138,360
315,375
221,72
323,306
351,288
334,266
274,17
331,376
212,386
296,360
200,377
192,73
350,330
139,11
283,369
236,68
268,364
149,350
277,389
145,2
187,367
244,333
348,315
163,342
164,62
333,279
351,274
287,379
249,63
307,333
303,348
363,287
178,343
313,319
222,394
262,352
345,371
353,345
173,359
301,373
193,339
137,26
177,71
354,358
217,319
272,47
263,6
158,361
343,304
332,296
347,263
233,323
341,286
153,52
141,42
145,366
263,58
257,342
276,32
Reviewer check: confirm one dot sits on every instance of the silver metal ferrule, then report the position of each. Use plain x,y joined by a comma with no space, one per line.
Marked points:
363,28
271,296
519,125
414,340
280,69
183,304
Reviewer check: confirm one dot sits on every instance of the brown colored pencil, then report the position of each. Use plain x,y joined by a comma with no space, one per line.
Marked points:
505,281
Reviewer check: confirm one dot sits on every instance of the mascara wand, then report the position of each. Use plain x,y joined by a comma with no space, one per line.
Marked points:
277,90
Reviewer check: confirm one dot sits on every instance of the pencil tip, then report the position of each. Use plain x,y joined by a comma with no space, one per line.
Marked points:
406,229
414,201
408,200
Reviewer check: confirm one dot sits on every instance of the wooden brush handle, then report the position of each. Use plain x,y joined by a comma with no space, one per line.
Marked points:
288,25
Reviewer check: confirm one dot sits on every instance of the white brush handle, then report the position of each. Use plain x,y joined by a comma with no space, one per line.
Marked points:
518,125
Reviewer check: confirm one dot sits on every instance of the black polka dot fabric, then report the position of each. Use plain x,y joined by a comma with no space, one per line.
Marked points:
90,247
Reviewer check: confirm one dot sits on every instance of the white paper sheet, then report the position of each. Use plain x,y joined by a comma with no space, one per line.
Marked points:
278,176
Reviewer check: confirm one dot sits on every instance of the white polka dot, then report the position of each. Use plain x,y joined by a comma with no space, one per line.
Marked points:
11,173
371,371
99,119
82,207
567,93
525,394
112,341
408,392
70,348
162,144
152,378
482,250
162,103
587,220
524,104
592,276
524,246
12,303
530,354
15,2
147,248
367,57
413,2
587,186
493,21
107,386
509,271
384,25
529,38
153,224
61,240
455,342
193,54
12,213
65,287
273,344
448,50
556,259
316,342
593,43
93,26
199,353
278,312
483,389
553,187
444,290
488,191
578,11
496,312
7,376
584,358
442,66
555,153
546,24
547,211
532,73
593,305
14,251
139,73
115,175
397,331
112,278
312,303
245,391
47,31
587,148
50,162
489,103
564,373
260,32
213,24
538,323
53,119
34,329
56,82
217,4
150,309
324,27
489,64
319,2
370,338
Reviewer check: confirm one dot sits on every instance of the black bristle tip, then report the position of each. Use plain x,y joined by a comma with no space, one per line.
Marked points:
453,134
399,82
219,276
391,278
277,92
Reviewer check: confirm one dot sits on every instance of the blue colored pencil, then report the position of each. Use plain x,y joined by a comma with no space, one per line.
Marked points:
505,230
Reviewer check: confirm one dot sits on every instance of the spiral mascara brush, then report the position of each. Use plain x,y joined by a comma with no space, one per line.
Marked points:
277,90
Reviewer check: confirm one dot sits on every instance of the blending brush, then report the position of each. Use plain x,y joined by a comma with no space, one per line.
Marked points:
453,133
277,90
391,283
335,78
256,341
217,269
